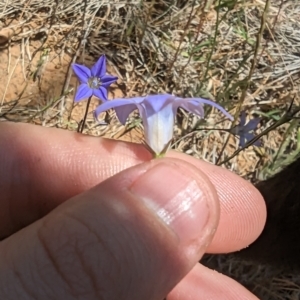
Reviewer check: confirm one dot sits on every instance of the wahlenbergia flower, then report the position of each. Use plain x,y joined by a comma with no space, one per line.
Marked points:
158,115
243,130
93,81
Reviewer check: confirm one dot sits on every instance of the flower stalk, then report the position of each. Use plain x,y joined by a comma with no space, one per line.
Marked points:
82,122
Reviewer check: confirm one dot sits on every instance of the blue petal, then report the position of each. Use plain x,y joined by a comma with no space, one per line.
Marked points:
99,68
124,111
194,107
155,103
248,136
82,72
107,80
257,143
101,93
242,119
211,103
113,104
252,124
83,91
242,141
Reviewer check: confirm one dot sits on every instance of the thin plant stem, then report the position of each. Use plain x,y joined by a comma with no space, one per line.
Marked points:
249,76
82,123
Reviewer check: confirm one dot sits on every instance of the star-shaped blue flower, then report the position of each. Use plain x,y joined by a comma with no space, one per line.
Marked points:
158,115
93,81
243,130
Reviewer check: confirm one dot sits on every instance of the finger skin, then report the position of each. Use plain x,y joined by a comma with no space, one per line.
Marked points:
54,165
112,242
243,209
205,284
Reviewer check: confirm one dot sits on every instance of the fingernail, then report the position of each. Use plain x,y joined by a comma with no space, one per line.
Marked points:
174,193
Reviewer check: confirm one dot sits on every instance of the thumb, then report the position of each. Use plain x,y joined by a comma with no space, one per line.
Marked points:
134,236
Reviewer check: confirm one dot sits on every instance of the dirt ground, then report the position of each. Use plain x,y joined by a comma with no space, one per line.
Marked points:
36,83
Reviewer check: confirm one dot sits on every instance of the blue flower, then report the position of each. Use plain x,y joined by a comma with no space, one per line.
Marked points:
93,81
243,130
158,115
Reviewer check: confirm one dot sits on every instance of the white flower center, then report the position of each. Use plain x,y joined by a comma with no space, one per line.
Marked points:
94,82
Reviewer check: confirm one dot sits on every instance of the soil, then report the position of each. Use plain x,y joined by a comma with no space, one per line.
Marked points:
33,82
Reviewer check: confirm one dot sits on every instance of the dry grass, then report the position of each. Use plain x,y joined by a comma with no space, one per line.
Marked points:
242,54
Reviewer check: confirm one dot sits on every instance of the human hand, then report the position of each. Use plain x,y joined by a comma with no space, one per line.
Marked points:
90,218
